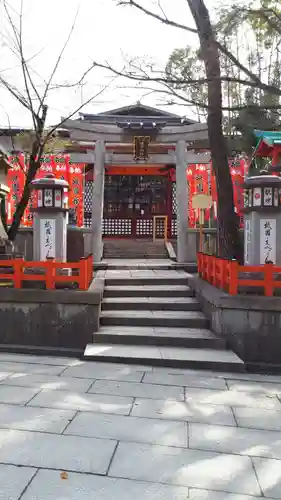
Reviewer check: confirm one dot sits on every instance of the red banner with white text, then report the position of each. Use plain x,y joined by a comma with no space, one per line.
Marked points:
58,165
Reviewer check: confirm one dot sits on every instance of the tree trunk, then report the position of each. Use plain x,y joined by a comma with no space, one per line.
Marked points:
34,165
229,244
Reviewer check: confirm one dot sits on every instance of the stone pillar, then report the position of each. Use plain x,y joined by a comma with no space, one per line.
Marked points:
50,219
182,202
262,220
97,205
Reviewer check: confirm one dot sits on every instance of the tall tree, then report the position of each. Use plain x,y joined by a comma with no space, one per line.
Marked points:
254,34
240,75
35,100
248,34
228,231
228,235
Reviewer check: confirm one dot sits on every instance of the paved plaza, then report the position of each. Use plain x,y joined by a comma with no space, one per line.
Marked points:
82,430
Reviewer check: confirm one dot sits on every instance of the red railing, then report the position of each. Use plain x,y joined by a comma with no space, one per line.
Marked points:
226,274
18,266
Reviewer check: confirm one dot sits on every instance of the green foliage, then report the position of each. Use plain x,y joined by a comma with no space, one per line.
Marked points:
251,31
185,65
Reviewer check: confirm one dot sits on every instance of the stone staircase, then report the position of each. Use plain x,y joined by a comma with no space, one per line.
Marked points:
134,249
157,320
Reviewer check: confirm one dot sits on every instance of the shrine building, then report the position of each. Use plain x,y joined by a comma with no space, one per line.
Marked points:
136,186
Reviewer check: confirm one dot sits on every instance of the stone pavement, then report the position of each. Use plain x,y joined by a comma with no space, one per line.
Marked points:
120,432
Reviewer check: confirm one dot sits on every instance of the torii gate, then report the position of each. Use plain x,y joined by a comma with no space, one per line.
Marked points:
89,134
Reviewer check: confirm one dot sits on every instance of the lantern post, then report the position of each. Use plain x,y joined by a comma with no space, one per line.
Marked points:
50,218
262,220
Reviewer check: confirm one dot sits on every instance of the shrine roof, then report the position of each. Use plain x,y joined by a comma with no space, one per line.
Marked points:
267,141
138,109
137,116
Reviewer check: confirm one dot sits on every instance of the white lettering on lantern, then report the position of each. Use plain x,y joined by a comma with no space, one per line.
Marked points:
48,197
267,201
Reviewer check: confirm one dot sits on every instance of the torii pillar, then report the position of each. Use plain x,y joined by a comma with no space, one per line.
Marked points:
98,197
186,246
182,202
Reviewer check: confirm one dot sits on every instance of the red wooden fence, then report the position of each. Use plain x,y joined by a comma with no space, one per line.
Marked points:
83,277
224,274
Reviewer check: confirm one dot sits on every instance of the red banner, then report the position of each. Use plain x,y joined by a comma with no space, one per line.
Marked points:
201,179
58,165
191,190
45,169
198,181
75,179
238,170
15,180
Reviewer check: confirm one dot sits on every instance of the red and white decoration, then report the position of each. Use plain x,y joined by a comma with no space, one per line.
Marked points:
60,166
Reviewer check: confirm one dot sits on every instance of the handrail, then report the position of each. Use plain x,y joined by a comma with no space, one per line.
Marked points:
226,274
83,278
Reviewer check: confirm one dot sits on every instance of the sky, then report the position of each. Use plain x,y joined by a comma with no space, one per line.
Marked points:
103,32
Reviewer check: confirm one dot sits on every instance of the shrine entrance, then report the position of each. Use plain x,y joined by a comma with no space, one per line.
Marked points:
137,206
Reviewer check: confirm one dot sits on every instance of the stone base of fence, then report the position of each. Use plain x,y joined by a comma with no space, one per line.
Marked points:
250,324
57,319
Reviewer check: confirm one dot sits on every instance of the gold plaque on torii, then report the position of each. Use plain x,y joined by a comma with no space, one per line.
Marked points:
140,147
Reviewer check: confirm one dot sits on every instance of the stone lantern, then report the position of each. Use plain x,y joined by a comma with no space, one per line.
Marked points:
262,220
50,218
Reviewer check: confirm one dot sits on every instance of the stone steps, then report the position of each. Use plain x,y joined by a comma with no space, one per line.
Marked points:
188,319
174,357
144,265
150,303
132,255
140,280
152,317
194,338
148,291
135,265
134,249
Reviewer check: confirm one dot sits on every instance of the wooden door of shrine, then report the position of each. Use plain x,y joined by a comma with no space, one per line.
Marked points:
136,206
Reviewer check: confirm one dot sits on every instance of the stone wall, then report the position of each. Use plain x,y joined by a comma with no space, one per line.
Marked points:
79,243
60,319
250,324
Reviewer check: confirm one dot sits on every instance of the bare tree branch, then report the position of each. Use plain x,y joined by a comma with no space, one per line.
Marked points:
185,101
40,136
59,125
19,45
162,19
256,81
59,59
178,81
25,68
77,83
15,93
